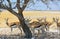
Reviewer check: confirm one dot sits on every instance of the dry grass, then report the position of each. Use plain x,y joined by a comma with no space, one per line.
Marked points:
31,14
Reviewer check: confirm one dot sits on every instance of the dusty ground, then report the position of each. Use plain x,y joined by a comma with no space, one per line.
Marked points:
14,34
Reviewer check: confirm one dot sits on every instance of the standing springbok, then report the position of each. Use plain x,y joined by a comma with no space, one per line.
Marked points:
12,24
57,22
35,25
48,22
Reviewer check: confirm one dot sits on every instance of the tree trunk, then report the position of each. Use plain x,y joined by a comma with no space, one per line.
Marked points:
24,26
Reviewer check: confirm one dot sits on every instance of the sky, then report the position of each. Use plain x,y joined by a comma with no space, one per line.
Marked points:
39,5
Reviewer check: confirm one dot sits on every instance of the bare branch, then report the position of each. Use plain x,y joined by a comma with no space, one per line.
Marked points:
8,8
9,2
12,11
1,1
18,6
2,6
25,4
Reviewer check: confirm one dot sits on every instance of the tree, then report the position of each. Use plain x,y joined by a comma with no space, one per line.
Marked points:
19,14
20,10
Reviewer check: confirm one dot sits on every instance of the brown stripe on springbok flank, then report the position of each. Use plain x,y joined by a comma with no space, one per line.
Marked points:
34,24
13,23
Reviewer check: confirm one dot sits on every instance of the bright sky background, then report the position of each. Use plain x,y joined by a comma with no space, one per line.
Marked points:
41,6
38,5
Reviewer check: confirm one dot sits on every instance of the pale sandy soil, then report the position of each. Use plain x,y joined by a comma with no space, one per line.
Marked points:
7,31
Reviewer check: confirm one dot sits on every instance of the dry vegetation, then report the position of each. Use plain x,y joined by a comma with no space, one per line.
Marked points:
48,22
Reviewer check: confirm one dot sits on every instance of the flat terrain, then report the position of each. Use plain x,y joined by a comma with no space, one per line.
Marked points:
27,14
6,30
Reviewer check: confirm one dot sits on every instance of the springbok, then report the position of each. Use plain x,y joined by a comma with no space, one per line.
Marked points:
12,24
53,26
48,22
57,22
35,25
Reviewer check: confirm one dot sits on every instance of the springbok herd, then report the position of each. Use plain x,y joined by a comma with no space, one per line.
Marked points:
51,23
48,23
